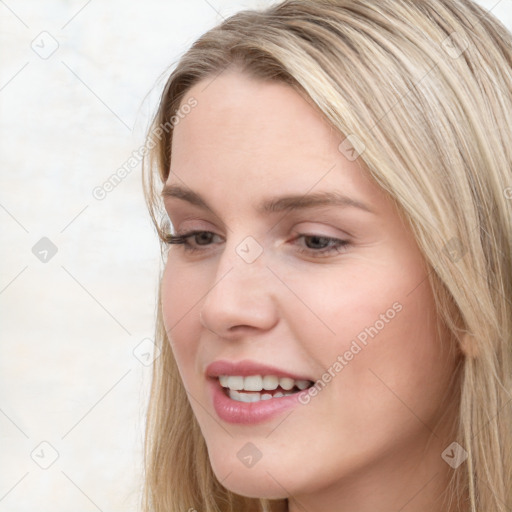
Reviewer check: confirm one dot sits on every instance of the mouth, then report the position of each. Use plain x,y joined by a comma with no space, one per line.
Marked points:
250,392
256,388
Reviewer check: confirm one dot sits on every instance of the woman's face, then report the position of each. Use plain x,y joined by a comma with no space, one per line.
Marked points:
300,271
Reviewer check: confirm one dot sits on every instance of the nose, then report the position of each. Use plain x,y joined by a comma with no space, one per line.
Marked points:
241,300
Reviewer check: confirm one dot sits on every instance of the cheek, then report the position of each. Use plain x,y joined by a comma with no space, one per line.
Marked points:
373,338
181,294
331,308
394,380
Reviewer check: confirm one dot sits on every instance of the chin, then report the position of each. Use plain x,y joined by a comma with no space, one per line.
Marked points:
254,485
258,481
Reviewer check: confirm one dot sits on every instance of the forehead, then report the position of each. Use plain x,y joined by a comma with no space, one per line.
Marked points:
252,125
259,137
237,113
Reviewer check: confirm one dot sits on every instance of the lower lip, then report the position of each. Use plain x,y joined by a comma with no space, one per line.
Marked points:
248,413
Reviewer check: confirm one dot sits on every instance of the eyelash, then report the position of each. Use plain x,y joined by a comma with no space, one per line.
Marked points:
336,245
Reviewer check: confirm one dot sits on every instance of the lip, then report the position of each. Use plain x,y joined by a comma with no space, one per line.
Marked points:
243,413
247,367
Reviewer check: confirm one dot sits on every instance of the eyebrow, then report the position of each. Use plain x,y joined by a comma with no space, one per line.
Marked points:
274,205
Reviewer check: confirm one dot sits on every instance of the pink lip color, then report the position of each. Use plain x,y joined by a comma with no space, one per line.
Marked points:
246,368
245,413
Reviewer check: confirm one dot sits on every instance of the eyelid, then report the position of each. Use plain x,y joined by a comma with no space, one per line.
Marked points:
183,239
320,229
191,224
182,211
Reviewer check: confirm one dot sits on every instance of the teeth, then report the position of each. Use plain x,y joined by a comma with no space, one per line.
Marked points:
254,397
270,382
236,383
286,383
253,383
259,383
302,384
243,397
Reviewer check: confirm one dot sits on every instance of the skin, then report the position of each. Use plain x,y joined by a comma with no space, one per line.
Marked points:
362,444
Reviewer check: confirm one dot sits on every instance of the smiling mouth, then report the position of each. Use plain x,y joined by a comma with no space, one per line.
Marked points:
254,388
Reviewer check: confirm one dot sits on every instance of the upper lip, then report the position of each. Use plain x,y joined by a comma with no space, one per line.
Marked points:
248,367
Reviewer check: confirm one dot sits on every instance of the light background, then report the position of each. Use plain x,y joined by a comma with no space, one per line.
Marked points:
76,329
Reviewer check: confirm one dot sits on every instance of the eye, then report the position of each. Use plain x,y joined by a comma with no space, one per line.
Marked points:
192,240
317,242
320,245
310,244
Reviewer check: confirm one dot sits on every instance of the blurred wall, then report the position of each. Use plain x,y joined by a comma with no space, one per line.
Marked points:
79,259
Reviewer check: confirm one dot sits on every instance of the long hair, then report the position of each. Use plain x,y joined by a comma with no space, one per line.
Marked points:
422,90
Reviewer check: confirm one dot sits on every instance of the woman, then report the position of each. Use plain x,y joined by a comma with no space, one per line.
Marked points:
335,314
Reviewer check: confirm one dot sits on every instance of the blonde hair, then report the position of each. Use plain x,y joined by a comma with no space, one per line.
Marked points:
423,89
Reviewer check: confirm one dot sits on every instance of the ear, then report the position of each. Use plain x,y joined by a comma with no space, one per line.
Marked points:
468,345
